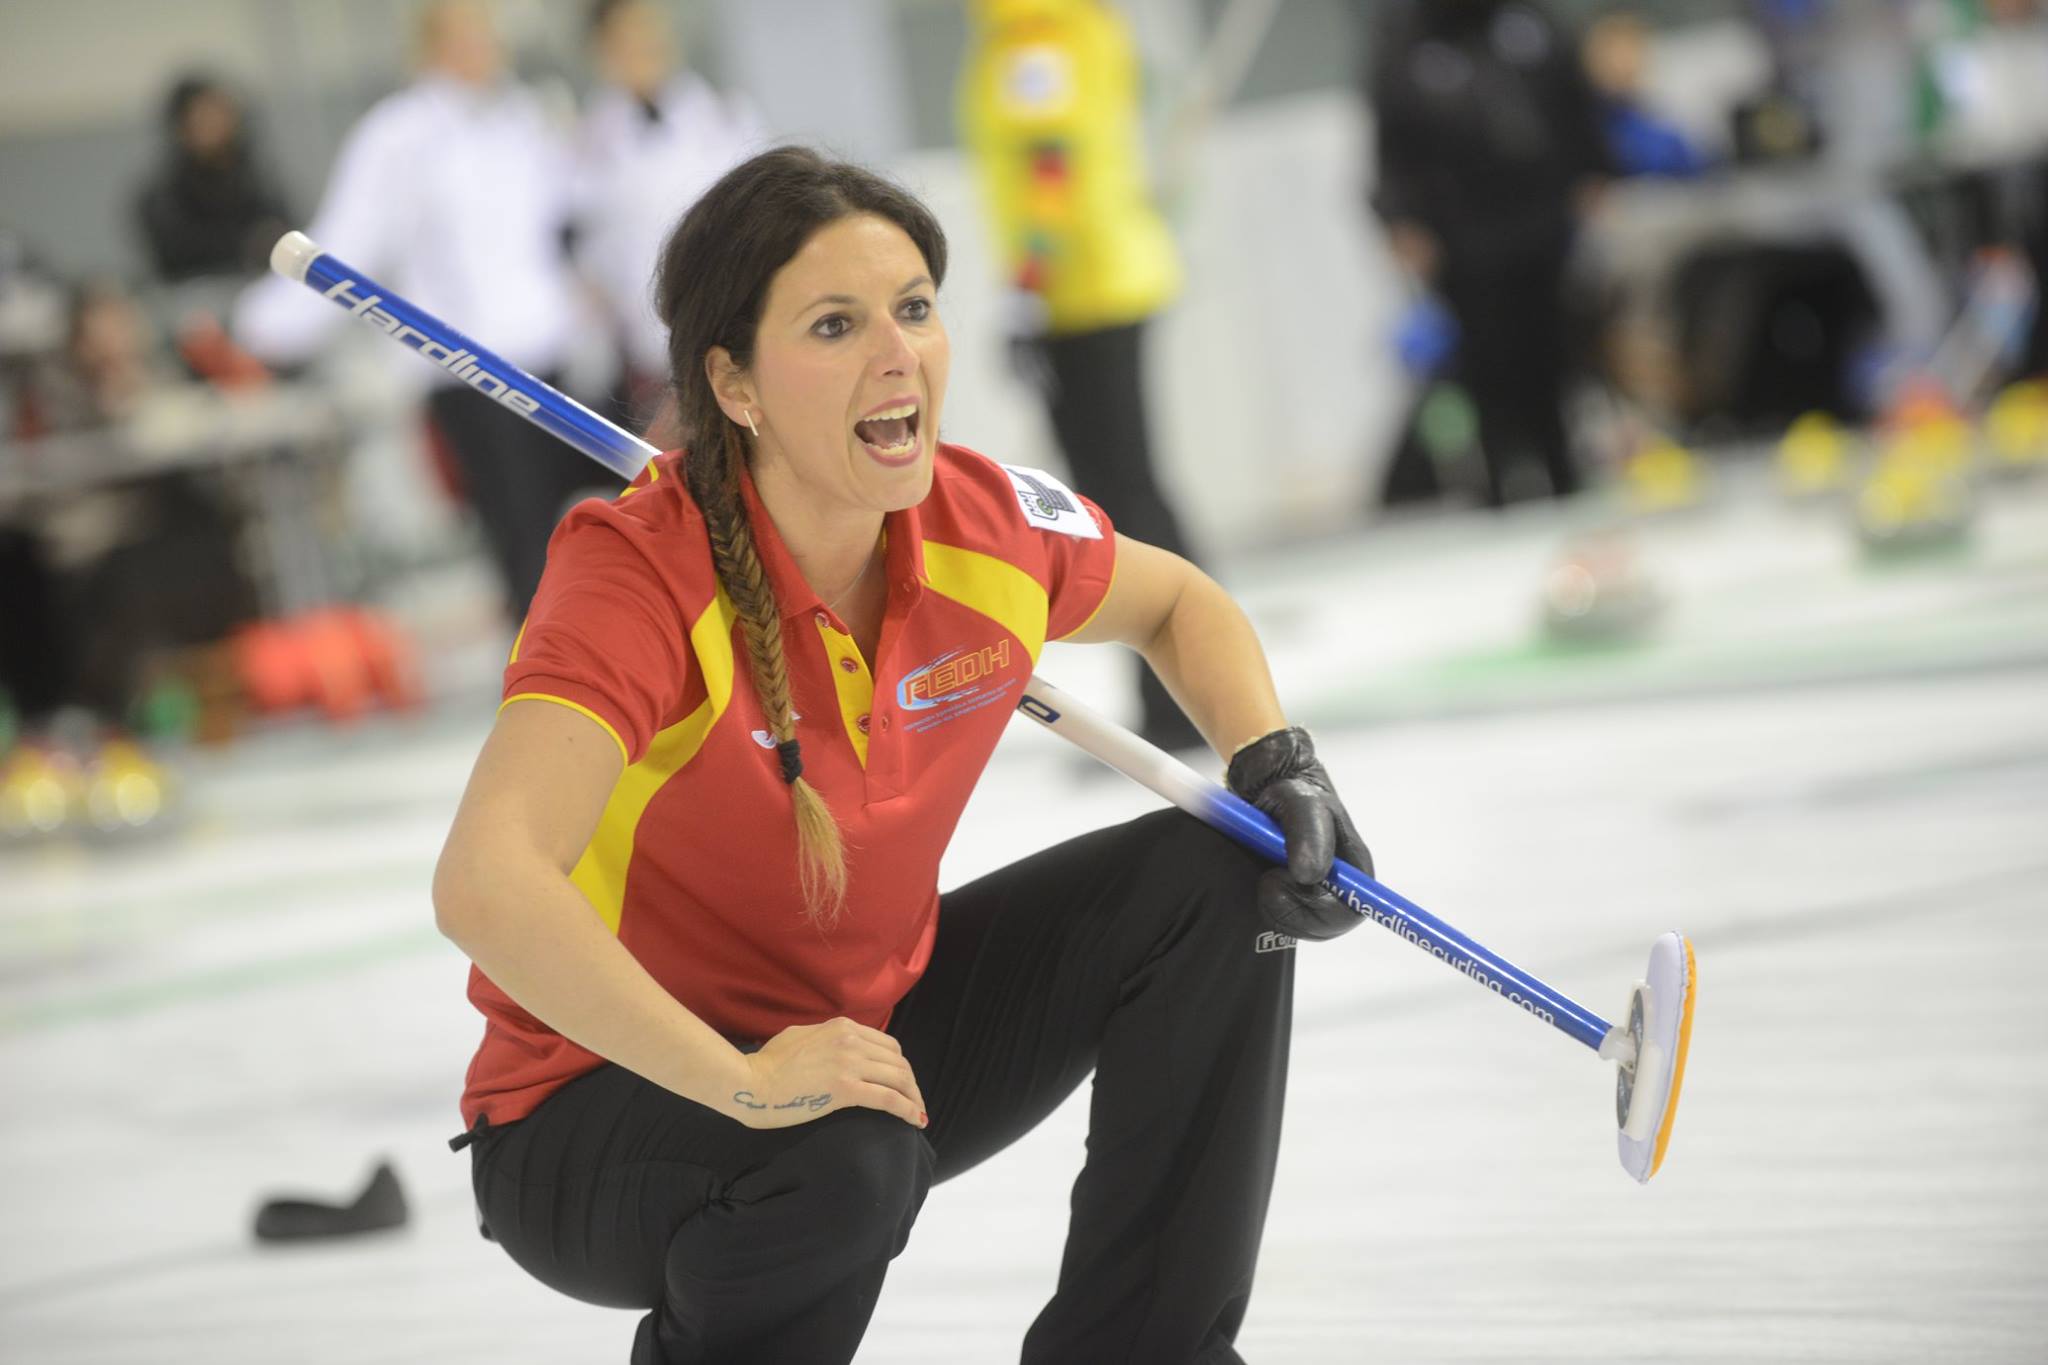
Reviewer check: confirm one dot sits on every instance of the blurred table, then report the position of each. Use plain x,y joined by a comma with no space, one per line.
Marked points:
278,451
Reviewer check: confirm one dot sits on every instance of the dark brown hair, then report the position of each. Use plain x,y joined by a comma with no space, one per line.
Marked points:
710,287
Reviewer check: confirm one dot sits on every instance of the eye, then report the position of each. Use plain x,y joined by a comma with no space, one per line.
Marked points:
832,325
917,309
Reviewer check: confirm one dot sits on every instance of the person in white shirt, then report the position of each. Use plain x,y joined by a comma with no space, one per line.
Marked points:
654,137
456,192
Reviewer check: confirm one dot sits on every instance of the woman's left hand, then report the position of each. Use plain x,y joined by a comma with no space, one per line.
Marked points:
1280,775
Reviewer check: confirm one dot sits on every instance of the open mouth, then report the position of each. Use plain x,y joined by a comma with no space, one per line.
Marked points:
891,435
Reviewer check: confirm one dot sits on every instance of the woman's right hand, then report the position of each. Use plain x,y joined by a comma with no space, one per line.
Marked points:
809,1070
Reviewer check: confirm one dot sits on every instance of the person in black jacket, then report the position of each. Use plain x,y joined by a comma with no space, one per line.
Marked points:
211,208
1489,152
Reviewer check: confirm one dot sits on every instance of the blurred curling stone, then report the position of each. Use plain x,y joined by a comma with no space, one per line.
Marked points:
127,792
1924,425
295,1218
1663,476
1941,445
2016,427
1917,500
42,788
1813,457
1598,591
74,781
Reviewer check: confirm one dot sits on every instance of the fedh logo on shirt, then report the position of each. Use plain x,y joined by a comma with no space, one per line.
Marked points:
954,684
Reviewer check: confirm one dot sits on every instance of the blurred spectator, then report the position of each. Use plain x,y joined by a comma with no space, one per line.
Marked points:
1489,153
1992,72
101,579
654,138
211,207
110,362
33,678
1639,141
1993,77
455,192
1049,109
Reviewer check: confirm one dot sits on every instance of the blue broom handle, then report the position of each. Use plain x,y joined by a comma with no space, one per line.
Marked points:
297,257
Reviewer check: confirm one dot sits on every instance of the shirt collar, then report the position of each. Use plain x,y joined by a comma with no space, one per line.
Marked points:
903,557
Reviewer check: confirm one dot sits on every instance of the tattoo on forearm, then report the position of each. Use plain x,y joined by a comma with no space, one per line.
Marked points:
813,1102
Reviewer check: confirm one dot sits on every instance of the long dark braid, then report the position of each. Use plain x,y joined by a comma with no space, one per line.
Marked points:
712,283
821,855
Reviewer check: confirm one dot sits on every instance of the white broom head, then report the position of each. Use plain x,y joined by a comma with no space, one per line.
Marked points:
1650,1046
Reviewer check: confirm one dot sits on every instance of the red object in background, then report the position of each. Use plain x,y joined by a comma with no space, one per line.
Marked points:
343,659
267,664
30,421
1919,400
441,457
1049,163
334,662
208,351
388,655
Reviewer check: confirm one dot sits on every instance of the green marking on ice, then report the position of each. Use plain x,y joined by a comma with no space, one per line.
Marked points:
1538,672
65,929
218,983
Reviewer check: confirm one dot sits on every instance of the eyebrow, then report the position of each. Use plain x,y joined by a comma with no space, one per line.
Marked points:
845,299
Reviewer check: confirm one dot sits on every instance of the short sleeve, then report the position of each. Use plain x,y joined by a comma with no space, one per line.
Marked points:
1079,571
605,635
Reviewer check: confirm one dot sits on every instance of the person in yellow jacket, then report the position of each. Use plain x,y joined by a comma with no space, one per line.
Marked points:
1048,104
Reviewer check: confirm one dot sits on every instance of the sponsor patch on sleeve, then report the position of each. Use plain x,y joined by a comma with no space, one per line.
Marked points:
1050,505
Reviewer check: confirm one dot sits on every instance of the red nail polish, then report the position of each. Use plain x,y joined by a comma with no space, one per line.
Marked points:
923,1119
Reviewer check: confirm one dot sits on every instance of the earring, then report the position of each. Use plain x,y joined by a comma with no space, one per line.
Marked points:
750,424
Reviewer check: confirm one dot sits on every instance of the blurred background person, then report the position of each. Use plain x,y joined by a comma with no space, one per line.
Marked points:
1992,71
1992,74
654,137
103,579
1640,141
109,364
211,206
1048,101
1489,154
456,191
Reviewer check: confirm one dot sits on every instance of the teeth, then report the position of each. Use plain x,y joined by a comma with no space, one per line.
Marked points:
908,410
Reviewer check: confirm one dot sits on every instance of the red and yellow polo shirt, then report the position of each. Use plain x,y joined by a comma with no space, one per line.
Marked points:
694,860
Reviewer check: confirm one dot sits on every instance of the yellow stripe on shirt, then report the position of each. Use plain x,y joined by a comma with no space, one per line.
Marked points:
994,587
601,872
653,477
853,685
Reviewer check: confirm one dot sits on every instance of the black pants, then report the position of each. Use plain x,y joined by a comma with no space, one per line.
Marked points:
86,634
518,478
1096,400
1132,951
1513,356
34,672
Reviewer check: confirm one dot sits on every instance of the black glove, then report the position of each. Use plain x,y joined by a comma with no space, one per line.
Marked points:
1280,775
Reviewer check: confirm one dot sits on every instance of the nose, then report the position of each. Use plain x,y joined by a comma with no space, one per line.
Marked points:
893,351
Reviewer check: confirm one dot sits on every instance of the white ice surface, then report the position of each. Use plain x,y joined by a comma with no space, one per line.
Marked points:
1857,1171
